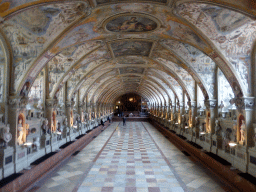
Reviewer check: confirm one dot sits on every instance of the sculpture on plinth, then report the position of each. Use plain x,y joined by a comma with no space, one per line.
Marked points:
5,136
45,127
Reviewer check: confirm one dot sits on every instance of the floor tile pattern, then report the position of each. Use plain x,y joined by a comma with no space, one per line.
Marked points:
131,162
135,158
196,177
69,175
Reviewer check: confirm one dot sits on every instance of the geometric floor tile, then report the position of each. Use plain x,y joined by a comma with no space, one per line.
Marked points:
136,158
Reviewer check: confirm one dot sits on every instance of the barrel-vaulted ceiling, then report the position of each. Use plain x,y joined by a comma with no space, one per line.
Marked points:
98,50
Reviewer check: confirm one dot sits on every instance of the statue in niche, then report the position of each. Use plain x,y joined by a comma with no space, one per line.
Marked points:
20,133
243,131
5,135
76,122
217,128
45,127
174,117
36,143
65,122
59,130
196,121
226,137
221,106
183,120
201,129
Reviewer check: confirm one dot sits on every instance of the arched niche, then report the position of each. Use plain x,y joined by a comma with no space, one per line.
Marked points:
190,118
240,120
54,122
71,118
21,129
208,117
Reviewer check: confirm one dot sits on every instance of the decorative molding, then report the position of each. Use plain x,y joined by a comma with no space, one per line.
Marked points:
69,103
244,103
18,102
210,104
51,103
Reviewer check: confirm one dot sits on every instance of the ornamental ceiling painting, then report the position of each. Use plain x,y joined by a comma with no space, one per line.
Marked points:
98,49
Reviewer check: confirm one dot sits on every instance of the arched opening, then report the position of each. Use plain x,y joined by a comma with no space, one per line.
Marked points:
129,103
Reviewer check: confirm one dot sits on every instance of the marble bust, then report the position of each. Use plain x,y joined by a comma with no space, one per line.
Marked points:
5,135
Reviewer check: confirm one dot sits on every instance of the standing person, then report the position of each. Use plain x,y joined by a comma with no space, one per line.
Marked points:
124,119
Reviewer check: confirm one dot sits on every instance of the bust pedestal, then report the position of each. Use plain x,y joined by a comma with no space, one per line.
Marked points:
252,161
208,142
72,134
66,134
46,143
20,158
6,162
241,158
216,143
54,143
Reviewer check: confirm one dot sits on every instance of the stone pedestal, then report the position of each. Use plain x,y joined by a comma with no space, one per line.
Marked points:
223,154
208,142
54,142
46,143
252,161
84,127
6,162
65,134
241,158
188,134
35,155
72,134
216,144
21,160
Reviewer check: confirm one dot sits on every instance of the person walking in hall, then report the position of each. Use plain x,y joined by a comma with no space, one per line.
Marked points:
124,119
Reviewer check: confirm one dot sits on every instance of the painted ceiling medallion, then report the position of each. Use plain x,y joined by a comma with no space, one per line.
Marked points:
131,23
118,1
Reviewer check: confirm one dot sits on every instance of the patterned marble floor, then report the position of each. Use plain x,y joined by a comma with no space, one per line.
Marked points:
131,158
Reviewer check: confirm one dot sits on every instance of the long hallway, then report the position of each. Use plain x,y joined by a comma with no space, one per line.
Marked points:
130,158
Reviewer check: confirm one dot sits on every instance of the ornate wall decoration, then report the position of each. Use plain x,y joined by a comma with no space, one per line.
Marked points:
232,32
124,48
131,70
130,23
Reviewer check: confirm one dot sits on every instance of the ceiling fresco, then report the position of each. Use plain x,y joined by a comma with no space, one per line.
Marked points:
123,48
116,1
131,70
102,48
131,23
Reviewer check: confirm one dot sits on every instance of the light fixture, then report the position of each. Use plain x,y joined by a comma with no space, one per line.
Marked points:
186,127
202,133
28,144
118,102
232,144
